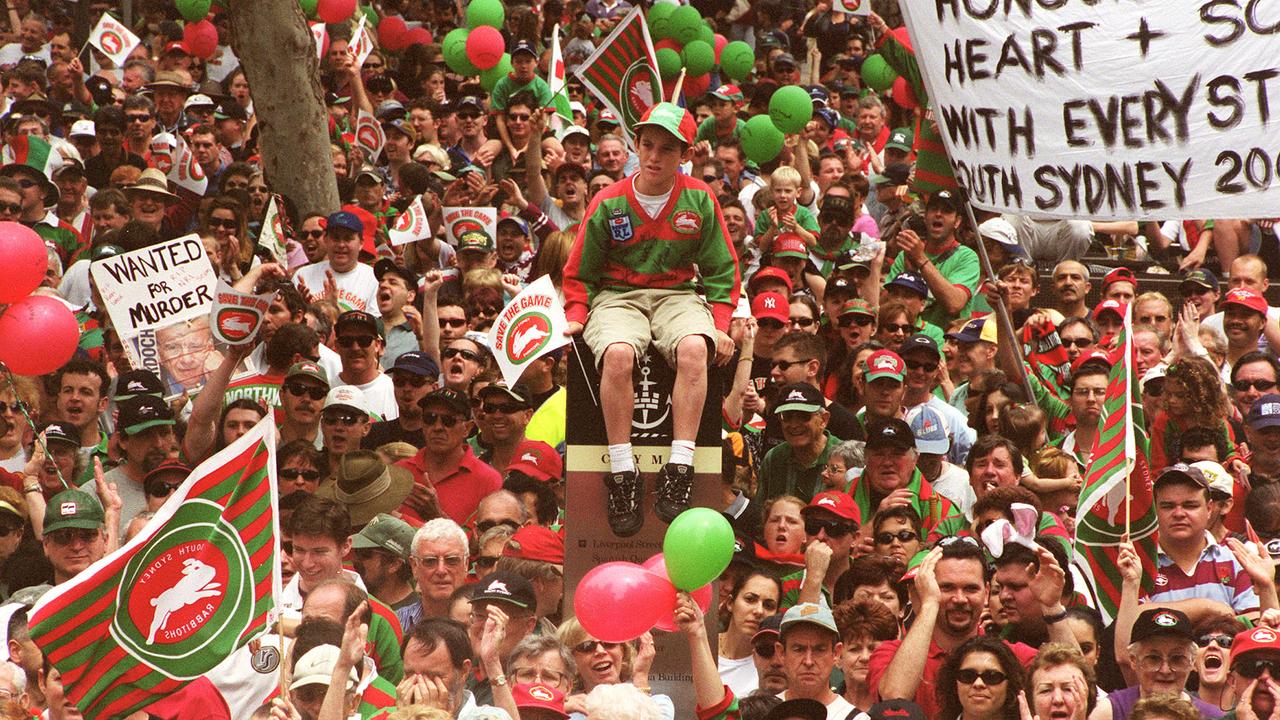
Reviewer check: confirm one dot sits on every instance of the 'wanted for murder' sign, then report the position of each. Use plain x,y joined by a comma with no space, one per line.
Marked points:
156,286
1117,109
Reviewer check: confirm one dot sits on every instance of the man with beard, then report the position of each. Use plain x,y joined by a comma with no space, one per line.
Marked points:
301,397
951,583
145,428
1071,288
1255,674
446,463
1244,313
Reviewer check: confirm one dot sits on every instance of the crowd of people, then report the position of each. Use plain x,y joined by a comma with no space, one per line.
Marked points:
904,488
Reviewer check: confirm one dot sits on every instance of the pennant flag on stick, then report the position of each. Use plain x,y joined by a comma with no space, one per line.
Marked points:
559,92
114,39
411,225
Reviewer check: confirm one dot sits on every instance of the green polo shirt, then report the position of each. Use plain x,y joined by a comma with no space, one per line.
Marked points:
781,474
960,266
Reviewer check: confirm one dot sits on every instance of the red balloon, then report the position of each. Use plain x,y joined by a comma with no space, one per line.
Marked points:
418,36
900,34
721,41
695,86
335,11
484,47
667,43
38,335
393,33
607,588
903,95
702,596
201,39
24,259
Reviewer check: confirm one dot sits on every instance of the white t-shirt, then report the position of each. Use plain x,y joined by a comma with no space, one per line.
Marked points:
380,393
953,484
10,54
740,675
653,204
357,288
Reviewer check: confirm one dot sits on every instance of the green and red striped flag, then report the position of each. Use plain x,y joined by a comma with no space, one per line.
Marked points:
1117,486
33,151
556,80
933,170
623,72
197,583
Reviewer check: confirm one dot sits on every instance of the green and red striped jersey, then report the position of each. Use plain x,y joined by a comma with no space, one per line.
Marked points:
619,247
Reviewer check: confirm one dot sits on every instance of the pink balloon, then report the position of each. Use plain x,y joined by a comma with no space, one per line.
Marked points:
24,259
903,95
721,41
418,36
485,47
702,596
620,601
667,43
201,39
38,335
393,33
335,11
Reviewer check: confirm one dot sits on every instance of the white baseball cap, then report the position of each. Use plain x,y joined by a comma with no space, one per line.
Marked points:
82,127
347,396
315,667
199,100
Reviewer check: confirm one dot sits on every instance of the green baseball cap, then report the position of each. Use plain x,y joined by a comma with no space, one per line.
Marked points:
899,139
672,118
477,240
73,509
306,368
385,532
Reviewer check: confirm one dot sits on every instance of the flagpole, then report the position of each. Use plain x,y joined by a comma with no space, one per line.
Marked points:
1129,448
679,84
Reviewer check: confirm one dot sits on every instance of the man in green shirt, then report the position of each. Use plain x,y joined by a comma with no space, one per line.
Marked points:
794,467
950,269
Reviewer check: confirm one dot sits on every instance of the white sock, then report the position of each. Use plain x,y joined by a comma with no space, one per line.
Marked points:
682,452
621,458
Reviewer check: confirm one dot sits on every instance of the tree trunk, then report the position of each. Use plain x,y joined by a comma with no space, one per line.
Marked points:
275,48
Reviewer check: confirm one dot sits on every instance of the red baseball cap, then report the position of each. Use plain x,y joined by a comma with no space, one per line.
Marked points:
1245,297
535,542
836,502
1259,638
538,460
538,696
791,245
771,305
1114,306
769,271
1094,355
884,363
1120,274
672,118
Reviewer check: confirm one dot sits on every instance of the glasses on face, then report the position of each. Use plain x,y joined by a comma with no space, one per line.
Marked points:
163,489
415,381
486,562
453,323
532,675
503,408
468,116
771,324
832,218
340,418
485,310
485,526
306,474
445,419
431,561
785,365
709,179
803,321
1089,392
833,528
225,223
518,117
450,353
364,341
301,389
893,328
8,529
589,646
72,536
26,183
1252,668
139,118
1081,343
902,536
14,407
1259,385
969,676
1176,663
925,366
311,234
849,321
1222,641
10,208
764,649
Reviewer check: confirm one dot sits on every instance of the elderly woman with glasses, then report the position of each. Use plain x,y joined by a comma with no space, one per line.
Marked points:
981,680
600,663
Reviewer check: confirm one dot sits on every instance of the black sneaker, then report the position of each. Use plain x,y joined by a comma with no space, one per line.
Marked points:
625,491
675,488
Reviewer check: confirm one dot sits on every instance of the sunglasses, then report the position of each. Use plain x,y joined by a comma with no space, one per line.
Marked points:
1252,668
14,407
785,365
468,116
833,528
764,649
471,355
709,178
904,536
486,562
485,526
835,218
163,489
504,408
969,676
430,418
925,366
291,473
26,183
299,390
216,222
340,418
364,341
70,536
903,328
415,381
139,118
1077,342
1259,385
1222,641
452,322
589,646
519,117
771,323
848,321
803,321
305,234
10,208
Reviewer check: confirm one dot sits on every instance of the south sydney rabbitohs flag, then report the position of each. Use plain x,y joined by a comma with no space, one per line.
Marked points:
197,583
411,225
623,72
113,39
369,135
530,326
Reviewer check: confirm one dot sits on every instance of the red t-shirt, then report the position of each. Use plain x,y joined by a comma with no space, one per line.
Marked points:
460,491
926,692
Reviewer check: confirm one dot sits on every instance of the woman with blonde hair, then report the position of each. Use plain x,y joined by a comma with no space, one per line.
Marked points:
600,664
552,255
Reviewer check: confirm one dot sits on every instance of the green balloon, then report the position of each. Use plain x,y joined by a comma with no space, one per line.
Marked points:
737,60
370,15
707,35
699,58
686,23
761,140
877,74
490,77
668,63
697,547
194,10
309,7
790,108
486,12
454,49
659,19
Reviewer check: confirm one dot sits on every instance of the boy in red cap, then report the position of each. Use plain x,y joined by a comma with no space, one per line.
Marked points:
631,274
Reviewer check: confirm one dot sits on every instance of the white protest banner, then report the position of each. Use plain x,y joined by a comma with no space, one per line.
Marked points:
156,286
530,326
186,172
237,316
461,220
411,225
114,39
1104,110
369,135
271,236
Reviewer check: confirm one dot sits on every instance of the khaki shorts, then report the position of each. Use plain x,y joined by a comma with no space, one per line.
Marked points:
642,317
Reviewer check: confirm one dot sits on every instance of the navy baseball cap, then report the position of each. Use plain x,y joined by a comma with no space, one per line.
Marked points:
1203,277
911,281
417,363
971,332
346,221
1264,413
523,46
919,341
